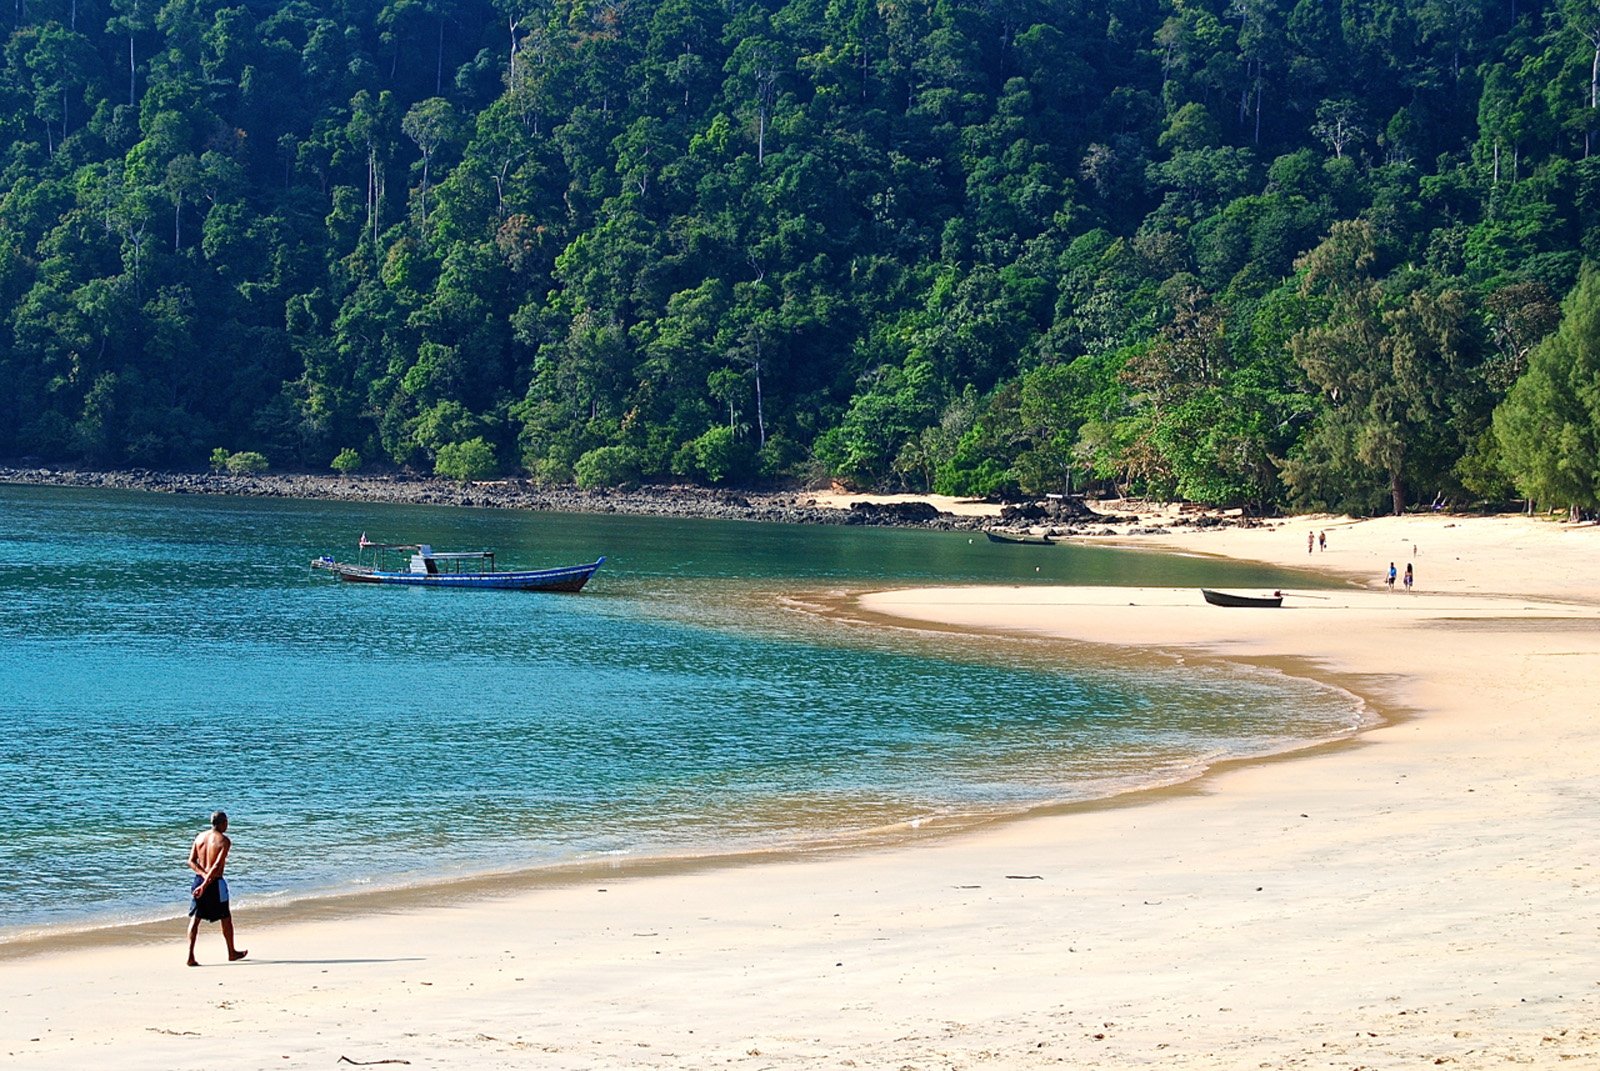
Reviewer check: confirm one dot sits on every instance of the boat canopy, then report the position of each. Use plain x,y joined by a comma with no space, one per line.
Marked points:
424,559
425,549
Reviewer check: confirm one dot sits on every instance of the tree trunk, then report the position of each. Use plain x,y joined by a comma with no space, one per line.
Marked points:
1259,80
438,62
1397,491
425,190
1594,90
761,422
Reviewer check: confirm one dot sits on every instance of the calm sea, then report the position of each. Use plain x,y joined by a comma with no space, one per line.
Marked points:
164,656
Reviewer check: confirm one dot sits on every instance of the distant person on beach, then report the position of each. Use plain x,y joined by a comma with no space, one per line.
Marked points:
208,891
1408,576
1311,542
1389,580
1322,540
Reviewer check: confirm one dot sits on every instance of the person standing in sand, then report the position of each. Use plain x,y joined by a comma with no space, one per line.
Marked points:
1389,580
1409,576
1322,540
208,892
1311,542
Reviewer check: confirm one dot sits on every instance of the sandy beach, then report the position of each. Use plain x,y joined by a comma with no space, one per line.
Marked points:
1425,893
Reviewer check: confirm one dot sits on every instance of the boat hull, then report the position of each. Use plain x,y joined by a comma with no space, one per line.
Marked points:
1022,540
570,578
1222,598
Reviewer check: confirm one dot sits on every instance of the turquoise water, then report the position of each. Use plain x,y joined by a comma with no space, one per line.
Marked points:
164,656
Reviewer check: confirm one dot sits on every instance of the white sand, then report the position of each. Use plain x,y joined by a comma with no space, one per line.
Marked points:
960,507
1426,895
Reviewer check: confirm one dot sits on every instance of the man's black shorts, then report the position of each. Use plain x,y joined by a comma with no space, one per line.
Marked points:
209,905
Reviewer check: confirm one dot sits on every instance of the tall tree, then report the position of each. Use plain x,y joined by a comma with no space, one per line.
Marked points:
1549,425
1387,366
432,124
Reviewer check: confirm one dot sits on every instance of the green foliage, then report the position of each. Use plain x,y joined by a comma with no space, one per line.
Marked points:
1481,469
219,459
1548,428
965,246
246,463
346,462
607,466
466,462
1394,364
717,456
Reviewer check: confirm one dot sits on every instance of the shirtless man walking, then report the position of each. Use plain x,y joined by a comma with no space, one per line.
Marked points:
209,889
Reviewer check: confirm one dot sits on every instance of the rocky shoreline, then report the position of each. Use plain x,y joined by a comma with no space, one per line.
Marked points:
658,501
1055,516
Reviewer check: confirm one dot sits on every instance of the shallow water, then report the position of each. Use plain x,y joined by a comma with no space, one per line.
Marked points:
163,656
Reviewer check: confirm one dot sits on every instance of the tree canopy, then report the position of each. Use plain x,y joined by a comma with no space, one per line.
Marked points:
1258,252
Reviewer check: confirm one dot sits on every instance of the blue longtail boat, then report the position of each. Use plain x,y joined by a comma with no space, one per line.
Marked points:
424,567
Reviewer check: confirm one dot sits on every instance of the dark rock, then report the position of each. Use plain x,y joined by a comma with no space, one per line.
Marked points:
1060,508
894,513
1026,511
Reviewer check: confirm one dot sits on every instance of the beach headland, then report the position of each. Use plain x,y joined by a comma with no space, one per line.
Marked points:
793,507
1425,894
827,507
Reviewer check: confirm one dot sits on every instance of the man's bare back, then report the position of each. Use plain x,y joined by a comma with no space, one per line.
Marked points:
208,855
209,847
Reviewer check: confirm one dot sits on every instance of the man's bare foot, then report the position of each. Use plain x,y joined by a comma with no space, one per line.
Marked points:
234,957
193,962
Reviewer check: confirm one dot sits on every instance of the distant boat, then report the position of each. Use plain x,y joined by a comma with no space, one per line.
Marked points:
425,567
1222,598
1027,540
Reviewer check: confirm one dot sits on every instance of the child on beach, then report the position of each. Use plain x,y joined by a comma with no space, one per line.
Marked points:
1389,580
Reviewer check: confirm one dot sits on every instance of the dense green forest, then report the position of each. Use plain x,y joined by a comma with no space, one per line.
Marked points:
1258,252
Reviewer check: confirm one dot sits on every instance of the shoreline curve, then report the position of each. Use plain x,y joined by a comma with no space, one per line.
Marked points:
1426,895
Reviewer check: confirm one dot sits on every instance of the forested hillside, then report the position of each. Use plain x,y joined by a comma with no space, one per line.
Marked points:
1238,251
